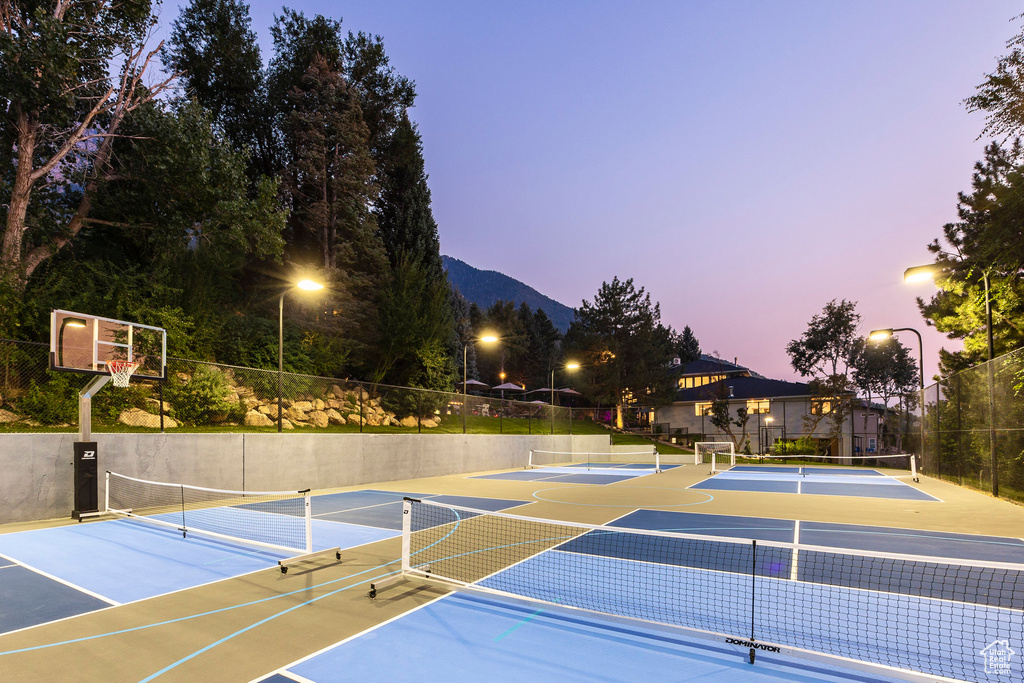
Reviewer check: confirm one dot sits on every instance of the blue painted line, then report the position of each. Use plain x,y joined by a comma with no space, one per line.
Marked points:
522,622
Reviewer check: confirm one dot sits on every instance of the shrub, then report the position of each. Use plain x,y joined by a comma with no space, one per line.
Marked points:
52,402
200,400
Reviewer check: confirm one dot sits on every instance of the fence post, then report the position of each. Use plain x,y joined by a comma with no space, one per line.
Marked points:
160,386
419,412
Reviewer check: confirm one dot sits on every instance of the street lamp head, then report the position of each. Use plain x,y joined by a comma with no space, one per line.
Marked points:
74,322
488,338
572,365
309,285
769,419
880,335
921,273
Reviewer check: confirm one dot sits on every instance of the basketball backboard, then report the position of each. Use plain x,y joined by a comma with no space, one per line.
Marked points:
85,343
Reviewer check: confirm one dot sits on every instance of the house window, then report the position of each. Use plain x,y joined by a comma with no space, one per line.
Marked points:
757,406
703,409
698,381
820,406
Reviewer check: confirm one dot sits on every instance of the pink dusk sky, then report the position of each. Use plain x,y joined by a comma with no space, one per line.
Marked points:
745,162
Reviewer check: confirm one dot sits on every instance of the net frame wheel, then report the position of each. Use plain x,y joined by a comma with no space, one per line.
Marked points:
284,569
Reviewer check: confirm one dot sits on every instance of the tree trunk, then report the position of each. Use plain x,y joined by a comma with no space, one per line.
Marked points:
21,193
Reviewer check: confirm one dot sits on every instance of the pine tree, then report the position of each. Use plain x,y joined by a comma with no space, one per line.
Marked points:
404,216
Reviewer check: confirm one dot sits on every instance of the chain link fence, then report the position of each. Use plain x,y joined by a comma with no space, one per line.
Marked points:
200,396
974,427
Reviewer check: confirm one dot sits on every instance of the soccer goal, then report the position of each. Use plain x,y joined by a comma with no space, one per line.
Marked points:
719,454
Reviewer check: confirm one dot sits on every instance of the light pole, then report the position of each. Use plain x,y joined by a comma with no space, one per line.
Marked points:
882,335
306,285
928,272
486,339
767,426
572,365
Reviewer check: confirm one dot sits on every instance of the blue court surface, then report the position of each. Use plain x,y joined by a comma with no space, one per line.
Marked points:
595,473
383,509
813,480
801,602
848,536
49,574
471,638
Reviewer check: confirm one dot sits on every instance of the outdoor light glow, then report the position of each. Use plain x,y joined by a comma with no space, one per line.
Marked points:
74,322
879,335
490,338
919,273
309,285
572,366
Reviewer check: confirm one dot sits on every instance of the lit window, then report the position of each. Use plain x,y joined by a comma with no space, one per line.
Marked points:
755,407
820,407
703,409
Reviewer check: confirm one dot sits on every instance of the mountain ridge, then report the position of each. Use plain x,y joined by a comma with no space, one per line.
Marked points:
485,287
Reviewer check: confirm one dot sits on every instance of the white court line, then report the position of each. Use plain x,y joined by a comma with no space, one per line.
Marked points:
104,598
798,486
367,507
284,669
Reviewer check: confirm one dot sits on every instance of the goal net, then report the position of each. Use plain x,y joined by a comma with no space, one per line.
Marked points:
721,455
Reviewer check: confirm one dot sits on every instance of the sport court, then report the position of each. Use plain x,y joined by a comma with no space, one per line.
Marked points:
152,605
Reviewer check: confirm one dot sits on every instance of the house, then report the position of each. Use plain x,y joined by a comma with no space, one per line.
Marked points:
776,410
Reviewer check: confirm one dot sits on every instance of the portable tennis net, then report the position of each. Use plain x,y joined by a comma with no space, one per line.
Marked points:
278,520
540,458
810,464
902,616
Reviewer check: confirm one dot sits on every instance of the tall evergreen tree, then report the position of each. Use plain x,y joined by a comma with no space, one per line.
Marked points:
687,346
621,338
404,216
985,241
329,180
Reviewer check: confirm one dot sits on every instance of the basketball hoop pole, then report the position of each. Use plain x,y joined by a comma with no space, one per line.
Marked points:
85,406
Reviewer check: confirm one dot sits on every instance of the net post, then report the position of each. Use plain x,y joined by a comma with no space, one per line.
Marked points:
106,492
308,508
913,467
529,463
657,461
407,534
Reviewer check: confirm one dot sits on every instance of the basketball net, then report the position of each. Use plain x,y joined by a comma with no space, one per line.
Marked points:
121,371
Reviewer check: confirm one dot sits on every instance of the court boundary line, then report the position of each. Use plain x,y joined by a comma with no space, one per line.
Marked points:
110,601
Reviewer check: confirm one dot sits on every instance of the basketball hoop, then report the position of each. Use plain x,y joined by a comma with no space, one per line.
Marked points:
121,371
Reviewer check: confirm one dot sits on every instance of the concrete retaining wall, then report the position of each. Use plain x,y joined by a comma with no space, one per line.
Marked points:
37,473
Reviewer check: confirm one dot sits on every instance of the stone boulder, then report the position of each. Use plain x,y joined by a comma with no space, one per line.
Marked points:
319,419
8,416
318,404
296,414
136,417
431,422
155,405
373,419
268,409
334,417
354,419
286,424
408,421
304,406
255,418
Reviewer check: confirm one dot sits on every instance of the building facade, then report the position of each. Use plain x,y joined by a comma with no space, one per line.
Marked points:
776,410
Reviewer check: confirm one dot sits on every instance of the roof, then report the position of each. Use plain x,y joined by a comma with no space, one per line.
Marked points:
744,388
709,365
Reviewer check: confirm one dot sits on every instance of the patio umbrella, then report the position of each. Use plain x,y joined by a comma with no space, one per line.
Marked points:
508,386
472,384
